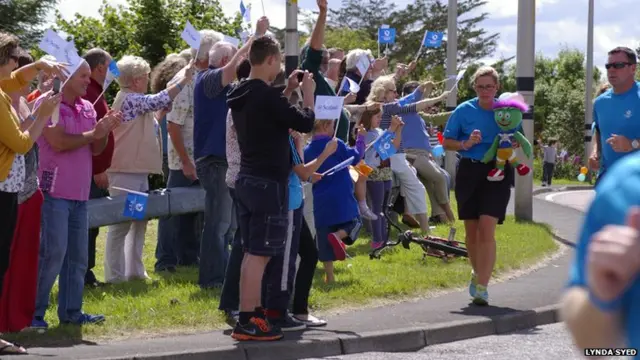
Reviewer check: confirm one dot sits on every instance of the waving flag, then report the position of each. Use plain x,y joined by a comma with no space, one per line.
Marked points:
349,85
384,145
343,165
112,74
245,12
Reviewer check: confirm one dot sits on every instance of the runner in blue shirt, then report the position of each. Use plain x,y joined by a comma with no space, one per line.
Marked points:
616,113
602,305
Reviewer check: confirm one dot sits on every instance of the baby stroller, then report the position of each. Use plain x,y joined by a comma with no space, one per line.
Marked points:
444,249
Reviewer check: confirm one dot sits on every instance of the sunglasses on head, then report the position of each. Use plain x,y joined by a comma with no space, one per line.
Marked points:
617,65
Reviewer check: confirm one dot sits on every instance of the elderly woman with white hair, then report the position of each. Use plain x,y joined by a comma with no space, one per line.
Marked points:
137,154
383,90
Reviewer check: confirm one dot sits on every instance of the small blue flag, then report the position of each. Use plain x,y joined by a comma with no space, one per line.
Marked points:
432,39
386,35
135,206
384,145
245,12
113,68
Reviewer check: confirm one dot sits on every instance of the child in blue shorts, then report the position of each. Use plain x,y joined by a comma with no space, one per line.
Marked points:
335,209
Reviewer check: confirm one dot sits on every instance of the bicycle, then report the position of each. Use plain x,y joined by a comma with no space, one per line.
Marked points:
435,246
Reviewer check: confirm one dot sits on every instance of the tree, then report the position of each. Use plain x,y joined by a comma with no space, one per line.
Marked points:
560,98
361,15
147,28
24,19
411,23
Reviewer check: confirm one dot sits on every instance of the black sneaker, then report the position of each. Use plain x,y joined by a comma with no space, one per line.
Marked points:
288,323
257,329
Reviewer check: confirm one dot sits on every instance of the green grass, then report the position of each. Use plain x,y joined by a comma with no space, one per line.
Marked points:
563,182
175,304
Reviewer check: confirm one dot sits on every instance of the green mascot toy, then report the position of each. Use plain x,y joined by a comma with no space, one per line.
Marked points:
508,112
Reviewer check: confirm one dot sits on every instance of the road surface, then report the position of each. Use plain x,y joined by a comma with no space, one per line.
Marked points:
541,343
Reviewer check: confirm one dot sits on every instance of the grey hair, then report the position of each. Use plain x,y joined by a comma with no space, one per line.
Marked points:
208,38
219,51
95,57
185,54
130,68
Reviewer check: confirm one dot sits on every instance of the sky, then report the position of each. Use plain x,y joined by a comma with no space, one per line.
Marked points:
559,23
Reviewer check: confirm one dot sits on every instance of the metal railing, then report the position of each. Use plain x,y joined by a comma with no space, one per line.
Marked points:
167,202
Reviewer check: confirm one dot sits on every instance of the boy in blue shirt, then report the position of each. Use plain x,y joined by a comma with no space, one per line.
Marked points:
335,208
602,305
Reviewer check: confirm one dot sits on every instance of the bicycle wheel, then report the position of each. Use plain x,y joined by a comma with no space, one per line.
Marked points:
448,249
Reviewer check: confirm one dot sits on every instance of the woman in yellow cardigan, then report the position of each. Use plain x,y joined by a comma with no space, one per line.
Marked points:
14,143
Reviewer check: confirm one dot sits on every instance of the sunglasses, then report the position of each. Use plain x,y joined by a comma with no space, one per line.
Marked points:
617,65
486,87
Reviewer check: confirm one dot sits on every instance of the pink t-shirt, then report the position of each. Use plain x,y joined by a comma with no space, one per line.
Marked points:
67,174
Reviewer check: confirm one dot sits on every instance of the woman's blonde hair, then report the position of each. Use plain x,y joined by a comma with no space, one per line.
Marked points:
485,71
379,88
320,125
132,67
8,44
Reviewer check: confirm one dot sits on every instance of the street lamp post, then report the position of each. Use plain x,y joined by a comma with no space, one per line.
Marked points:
588,101
525,70
291,47
452,64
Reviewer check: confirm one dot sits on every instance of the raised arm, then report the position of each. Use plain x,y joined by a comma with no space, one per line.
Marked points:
137,104
317,36
436,119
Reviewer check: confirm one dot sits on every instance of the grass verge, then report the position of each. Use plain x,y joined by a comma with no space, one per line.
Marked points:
175,304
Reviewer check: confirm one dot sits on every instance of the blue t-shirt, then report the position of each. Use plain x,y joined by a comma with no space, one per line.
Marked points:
616,114
210,114
618,192
333,199
467,117
296,192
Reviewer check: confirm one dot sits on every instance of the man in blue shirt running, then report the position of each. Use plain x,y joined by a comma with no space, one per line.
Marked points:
616,113
601,306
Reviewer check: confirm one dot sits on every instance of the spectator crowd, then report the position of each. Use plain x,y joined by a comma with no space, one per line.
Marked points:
249,135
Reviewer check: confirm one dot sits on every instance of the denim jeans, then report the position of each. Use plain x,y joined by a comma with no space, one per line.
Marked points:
63,251
178,242
230,297
214,245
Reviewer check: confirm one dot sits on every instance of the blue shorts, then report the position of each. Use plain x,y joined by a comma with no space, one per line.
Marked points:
325,251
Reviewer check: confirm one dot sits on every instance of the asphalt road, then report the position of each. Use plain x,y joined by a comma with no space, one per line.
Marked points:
578,200
542,343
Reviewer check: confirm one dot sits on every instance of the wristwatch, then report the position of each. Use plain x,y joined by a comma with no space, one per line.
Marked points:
635,144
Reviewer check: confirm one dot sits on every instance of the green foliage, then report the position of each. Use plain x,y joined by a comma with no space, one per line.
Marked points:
147,28
24,18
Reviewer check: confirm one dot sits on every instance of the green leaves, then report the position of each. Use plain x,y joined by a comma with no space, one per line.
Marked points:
147,28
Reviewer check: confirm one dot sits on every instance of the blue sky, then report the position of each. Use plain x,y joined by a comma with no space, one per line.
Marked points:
558,22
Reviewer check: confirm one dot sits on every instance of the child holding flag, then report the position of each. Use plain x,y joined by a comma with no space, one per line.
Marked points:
335,209
379,182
